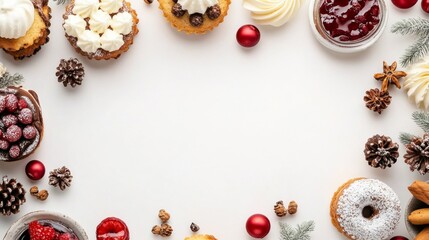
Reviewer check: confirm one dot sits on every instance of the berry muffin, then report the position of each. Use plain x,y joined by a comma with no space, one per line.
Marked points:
24,26
194,16
21,123
100,29
201,237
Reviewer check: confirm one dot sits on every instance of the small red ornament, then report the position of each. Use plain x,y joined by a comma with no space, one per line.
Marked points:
399,238
258,226
404,4
248,35
425,5
35,170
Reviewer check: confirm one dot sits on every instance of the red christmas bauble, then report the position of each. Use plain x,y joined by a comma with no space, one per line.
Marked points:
425,5
258,226
35,170
248,35
399,238
404,4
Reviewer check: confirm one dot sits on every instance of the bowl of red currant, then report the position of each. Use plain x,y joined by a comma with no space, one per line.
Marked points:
42,225
348,25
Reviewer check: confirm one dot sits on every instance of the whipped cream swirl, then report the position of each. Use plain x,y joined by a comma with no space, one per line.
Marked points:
417,83
99,21
16,18
122,23
89,41
74,25
85,8
197,6
110,6
272,12
111,40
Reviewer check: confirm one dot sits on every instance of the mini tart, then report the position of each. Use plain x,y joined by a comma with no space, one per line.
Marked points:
30,101
35,37
201,237
183,24
102,54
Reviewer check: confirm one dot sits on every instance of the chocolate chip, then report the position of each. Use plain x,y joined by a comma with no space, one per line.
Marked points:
177,10
213,12
196,19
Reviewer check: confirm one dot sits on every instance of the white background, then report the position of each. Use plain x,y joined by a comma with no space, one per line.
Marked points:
211,131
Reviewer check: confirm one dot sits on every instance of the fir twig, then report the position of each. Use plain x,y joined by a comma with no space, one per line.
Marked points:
301,232
11,80
60,1
422,120
418,26
416,51
406,138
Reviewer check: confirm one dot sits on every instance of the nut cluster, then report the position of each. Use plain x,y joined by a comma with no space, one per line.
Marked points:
165,230
282,211
42,195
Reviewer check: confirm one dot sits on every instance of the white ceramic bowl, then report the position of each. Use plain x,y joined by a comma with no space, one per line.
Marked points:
413,204
19,227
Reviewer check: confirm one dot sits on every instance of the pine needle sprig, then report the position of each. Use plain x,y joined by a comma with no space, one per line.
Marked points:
11,80
406,138
301,232
418,26
422,120
59,2
416,51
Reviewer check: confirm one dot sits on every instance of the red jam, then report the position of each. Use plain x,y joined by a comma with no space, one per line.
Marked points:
349,20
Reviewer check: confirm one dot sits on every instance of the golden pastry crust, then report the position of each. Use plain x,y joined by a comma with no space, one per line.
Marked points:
106,55
201,237
334,204
31,42
183,24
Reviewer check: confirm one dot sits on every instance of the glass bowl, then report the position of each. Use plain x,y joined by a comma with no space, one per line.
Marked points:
21,225
345,46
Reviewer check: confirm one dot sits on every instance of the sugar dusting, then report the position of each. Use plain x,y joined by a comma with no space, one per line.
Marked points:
374,193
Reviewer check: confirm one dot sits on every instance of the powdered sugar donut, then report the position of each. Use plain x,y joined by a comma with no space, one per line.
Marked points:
365,209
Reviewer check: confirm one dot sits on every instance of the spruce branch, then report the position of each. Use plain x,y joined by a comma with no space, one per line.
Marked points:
422,120
416,51
405,138
418,26
286,231
11,80
301,232
59,2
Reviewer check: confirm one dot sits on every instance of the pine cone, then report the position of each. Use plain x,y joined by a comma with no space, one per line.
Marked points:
381,151
12,196
70,72
417,155
60,177
376,100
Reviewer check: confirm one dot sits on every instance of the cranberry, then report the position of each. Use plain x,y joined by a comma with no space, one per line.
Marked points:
9,120
11,103
13,133
353,25
375,10
22,104
14,151
29,132
330,23
4,145
25,116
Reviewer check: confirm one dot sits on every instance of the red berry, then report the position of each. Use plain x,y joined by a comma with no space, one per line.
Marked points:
248,35
29,132
40,232
66,236
399,238
112,229
2,104
14,151
404,4
22,104
4,145
25,116
425,5
13,133
11,103
9,120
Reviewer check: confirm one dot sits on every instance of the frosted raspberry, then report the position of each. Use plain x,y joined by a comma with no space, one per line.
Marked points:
14,151
13,133
4,145
11,103
25,116
22,104
29,132
9,120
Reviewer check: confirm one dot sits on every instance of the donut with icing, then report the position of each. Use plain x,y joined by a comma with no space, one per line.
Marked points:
365,209
24,26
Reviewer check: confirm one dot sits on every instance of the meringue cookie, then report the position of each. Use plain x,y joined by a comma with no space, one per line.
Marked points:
197,6
111,41
16,18
122,23
85,8
74,25
417,83
272,12
99,21
111,6
88,41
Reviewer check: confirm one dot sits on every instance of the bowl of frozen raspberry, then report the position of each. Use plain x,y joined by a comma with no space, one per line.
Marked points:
112,228
21,123
43,225
348,26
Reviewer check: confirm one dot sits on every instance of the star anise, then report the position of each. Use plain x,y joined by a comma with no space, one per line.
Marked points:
389,75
